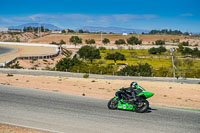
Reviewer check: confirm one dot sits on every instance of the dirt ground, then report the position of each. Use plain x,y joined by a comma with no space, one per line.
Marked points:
166,93
146,39
14,129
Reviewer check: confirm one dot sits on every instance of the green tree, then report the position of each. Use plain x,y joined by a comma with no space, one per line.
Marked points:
70,31
75,40
102,48
89,53
115,56
63,31
157,50
90,41
140,70
134,40
160,42
105,41
185,43
53,43
62,42
17,39
67,63
120,41
180,48
80,31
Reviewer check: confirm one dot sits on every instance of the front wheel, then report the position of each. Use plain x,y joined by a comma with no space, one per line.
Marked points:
142,106
113,103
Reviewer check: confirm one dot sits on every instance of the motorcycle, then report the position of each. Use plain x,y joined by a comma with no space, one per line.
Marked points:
128,104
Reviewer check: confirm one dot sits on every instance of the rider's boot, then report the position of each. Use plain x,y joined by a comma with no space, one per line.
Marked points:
122,101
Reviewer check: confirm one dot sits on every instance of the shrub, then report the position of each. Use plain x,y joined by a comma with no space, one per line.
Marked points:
159,42
86,76
90,41
62,42
10,75
140,70
134,40
105,41
54,43
120,41
102,48
67,63
157,50
185,43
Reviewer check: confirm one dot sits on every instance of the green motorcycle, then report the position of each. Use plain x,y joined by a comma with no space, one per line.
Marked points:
128,104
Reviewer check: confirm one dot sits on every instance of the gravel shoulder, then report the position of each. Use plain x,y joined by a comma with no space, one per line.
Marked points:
4,128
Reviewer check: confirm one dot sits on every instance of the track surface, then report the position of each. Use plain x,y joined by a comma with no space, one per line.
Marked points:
6,50
58,112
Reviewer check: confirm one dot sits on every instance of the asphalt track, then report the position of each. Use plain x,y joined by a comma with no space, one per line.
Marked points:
6,50
57,112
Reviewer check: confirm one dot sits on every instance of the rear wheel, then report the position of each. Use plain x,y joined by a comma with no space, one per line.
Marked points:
113,103
142,106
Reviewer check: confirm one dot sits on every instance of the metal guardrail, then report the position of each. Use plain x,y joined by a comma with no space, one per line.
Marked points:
29,58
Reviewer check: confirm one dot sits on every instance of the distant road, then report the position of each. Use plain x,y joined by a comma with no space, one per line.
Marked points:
80,75
62,113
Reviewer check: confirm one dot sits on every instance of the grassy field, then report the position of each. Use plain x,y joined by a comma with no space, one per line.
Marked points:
135,57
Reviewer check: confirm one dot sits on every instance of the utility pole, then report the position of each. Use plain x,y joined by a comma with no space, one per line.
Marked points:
173,68
101,37
39,30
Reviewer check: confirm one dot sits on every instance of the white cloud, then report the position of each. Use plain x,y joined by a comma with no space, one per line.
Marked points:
187,15
77,20
128,17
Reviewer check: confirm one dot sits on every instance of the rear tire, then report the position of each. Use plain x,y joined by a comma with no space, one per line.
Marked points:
112,104
142,107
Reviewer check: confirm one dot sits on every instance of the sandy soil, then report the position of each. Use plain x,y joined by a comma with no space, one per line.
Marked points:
147,39
27,51
14,129
166,93
25,36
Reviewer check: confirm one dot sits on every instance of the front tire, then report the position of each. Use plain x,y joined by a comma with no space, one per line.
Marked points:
142,106
112,104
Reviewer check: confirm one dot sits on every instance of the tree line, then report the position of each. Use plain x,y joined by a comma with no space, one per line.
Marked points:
168,32
89,53
34,29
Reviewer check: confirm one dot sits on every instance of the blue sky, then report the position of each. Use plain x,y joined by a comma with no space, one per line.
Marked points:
182,15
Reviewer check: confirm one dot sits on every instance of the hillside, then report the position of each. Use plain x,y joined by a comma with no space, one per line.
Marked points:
46,26
13,37
147,39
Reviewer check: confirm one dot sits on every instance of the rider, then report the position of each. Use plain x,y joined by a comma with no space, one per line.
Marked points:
131,90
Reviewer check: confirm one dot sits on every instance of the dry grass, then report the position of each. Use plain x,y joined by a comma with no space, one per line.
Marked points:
147,39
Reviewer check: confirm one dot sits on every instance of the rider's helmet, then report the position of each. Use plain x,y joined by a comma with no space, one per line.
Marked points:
133,85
